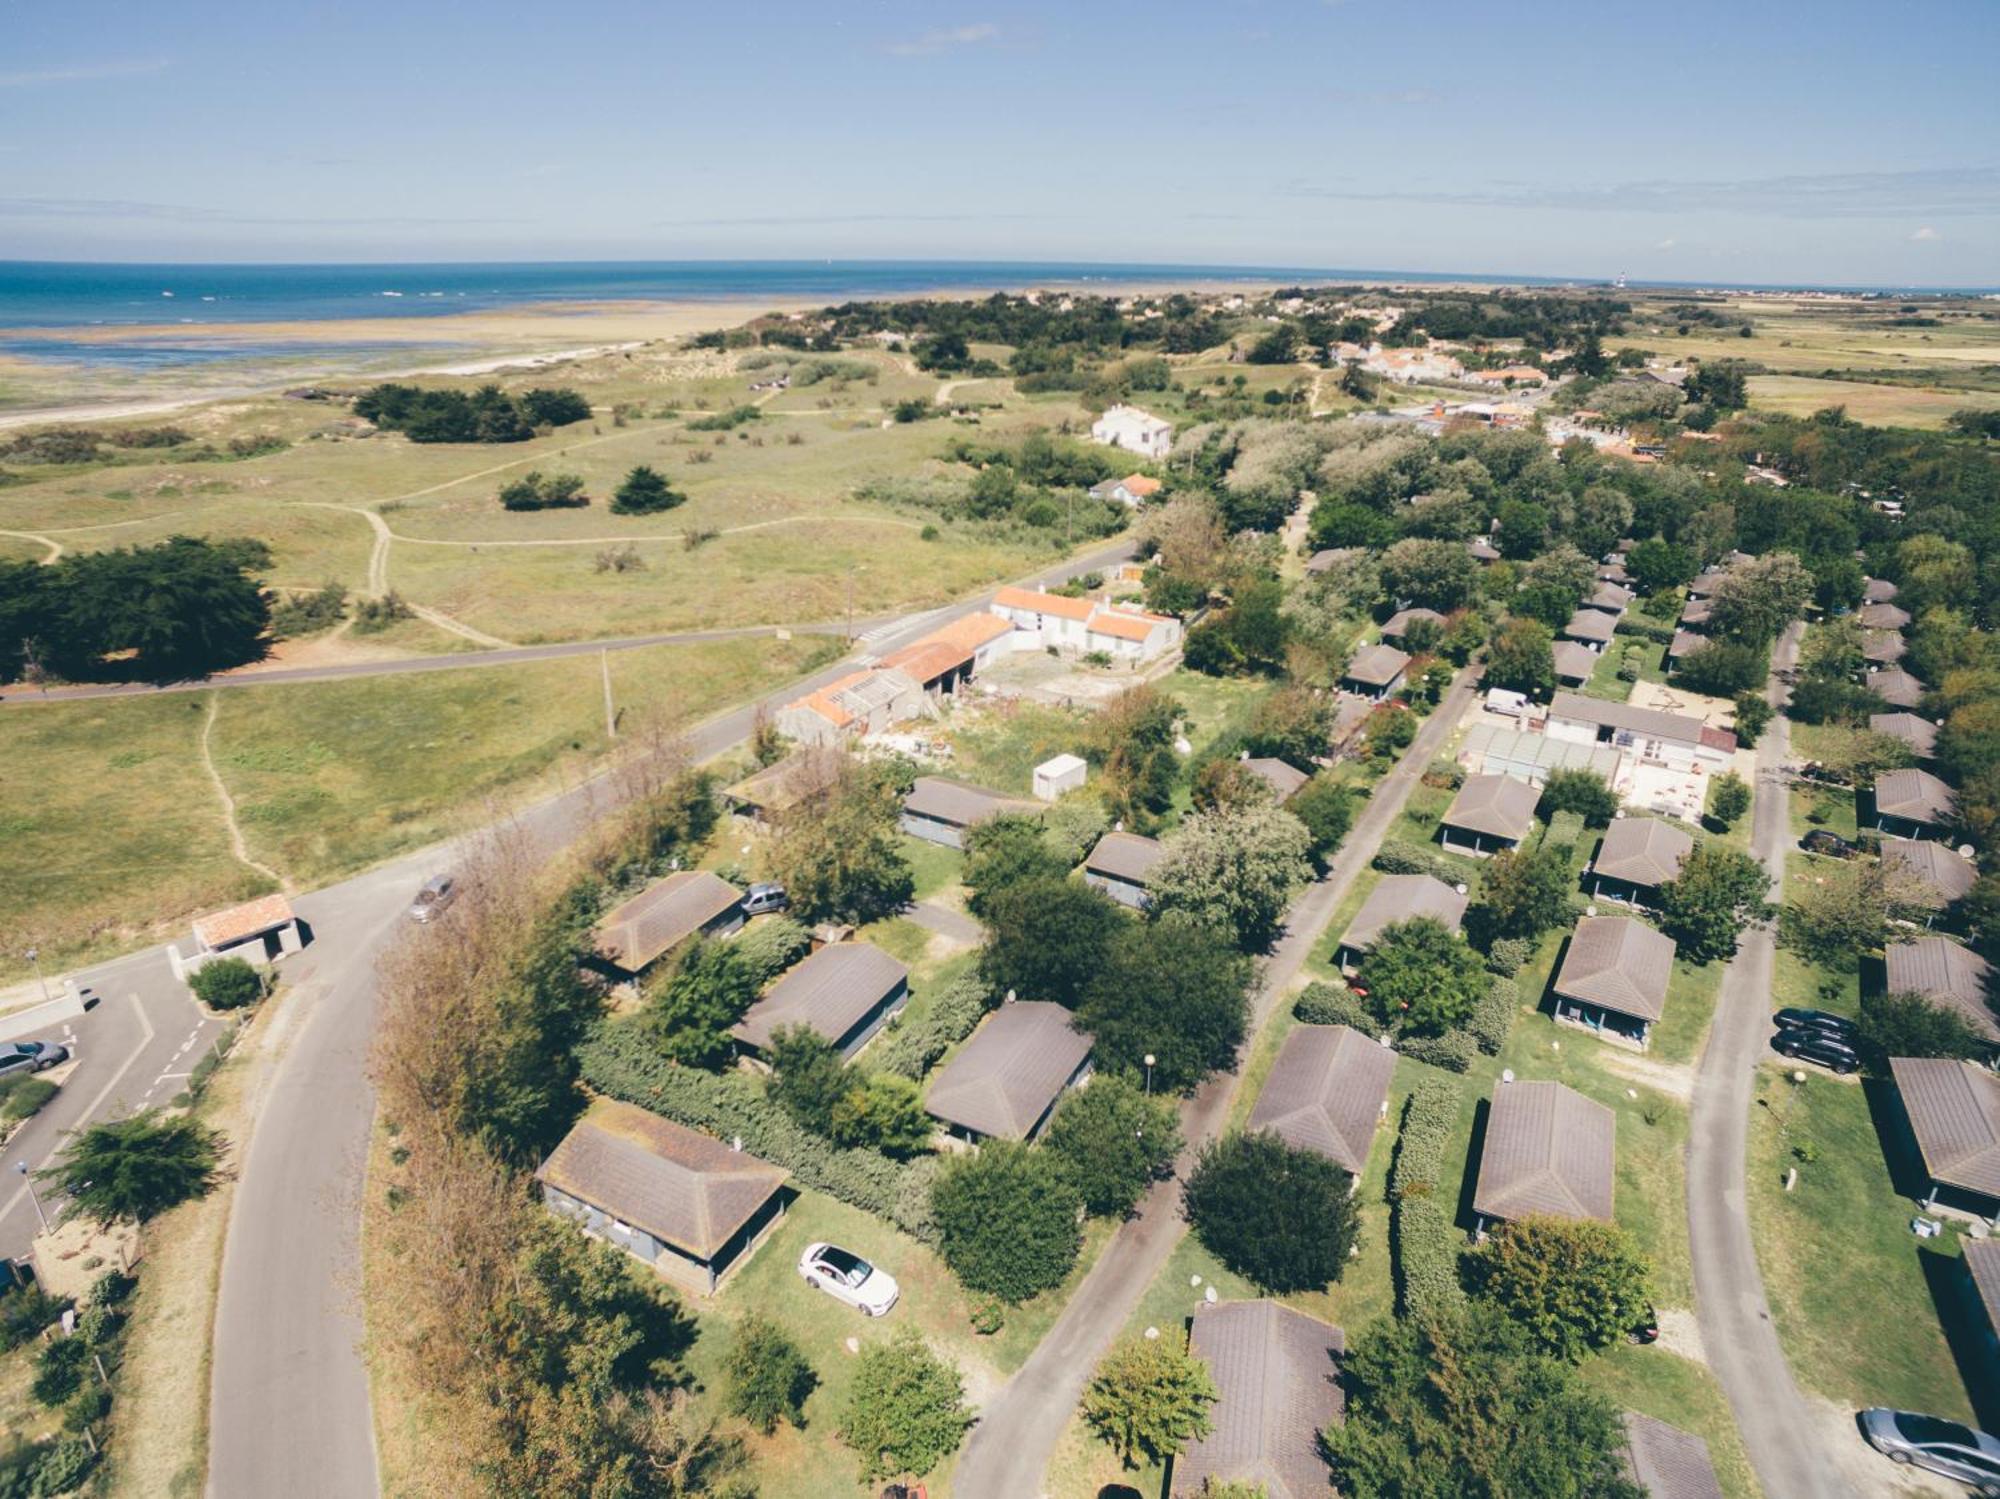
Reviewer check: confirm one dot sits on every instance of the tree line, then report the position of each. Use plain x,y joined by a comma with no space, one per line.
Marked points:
488,414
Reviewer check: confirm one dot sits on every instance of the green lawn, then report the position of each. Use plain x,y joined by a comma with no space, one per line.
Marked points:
999,743
1829,807
1681,1392
1691,996
937,869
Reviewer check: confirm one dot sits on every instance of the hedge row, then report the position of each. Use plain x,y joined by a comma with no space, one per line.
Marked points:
772,945
1508,955
1644,629
1321,1003
912,1048
1424,1239
1398,857
620,1060
1453,1051
1493,1017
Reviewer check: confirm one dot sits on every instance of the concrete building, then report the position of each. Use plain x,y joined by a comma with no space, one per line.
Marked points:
1676,740
1055,776
1532,756
1135,431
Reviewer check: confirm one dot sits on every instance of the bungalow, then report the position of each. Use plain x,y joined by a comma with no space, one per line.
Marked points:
1953,1112
1120,864
1703,585
1058,622
1676,740
862,702
1332,559
1328,1092
1946,974
844,993
1982,1270
1944,874
947,658
1608,598
690,1206
1376,671
1284,779
1576,664
1548,1149
1913,803
1696,612
1666,1462
1398,897
1685,643
938,810
637,933
1134,430
1878,591
772,791
1882,617
1398,624
1278,1388
1131,491
1592,628
1614,978
1005,1082
1483,551
259,931
1883,647
1532,756
1491,812
1920,734
1896,687
1614,571
1637,856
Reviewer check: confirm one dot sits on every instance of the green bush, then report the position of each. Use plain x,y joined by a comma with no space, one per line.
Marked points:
1644,629
22,1096
1507,955
59,1370
1397,857
1009,1219
1453,1051
227,984
63,1468
24,1312
1493,1017
912,1048
1425,1241
768,1376
1322,1003
722,421
770,946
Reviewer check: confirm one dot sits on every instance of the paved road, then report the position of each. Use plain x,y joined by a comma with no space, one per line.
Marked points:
1736,1329
289,1412
1010,1448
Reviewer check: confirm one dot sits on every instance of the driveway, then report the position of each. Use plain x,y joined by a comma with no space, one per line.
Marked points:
1010,1448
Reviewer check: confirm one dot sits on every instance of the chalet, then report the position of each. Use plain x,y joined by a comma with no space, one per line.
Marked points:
1953,1112
1591,628
1878,591
1328,1092
1376,671
1614,977
1947,974
1277,1381
1896,687
1882,617
1397,625
1944,874
1005,1081
1697,612
1883,647
844,993
1982,1272
1576,663
769,793
1483,551
1397,898
1920,734
1637,856
1548,1149
1490,812
939,810
1684,644
1913,803
1134,430
688,1205
1608,598
1284,779
1120,864
637,933
1333,559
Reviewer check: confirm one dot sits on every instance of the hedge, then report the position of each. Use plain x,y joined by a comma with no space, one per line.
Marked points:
1398,857
619,1060
1493,1017
1322,1003
1508,955
772,945
1424,1238
1645,630
1453,1051
912,1048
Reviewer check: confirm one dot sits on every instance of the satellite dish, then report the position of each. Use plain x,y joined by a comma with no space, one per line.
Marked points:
1590,910
1965,850
1506,1074
1460,887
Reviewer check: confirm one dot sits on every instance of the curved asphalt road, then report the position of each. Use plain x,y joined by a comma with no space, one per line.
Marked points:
289,1410
1736,1328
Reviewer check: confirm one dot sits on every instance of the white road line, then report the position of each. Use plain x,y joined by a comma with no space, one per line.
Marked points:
165,1075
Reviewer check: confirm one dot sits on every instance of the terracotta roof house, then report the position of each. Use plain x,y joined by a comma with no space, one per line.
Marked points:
1913,802
1376,671
1282,777
1614,977
686,1204
1637,856
1275,1371
1327,1092
1883,617
1397,625
1058,622
1005,1082
1590,627
1945,873
1920,734
1666,1462
1399,897
1489,813
862,702
1548,1149
1946,973
1895,687
1953,1110
1120,864
1608,598
845,992
637,933
1883,647
1575,662
1133,489
258,931
949,656
943,811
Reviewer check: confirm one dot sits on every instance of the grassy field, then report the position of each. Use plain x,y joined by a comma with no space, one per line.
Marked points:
1874,405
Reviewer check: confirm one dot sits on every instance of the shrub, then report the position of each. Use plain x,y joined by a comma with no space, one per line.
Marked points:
1423,1236
59,1370
22,1096
24,1312
1580,791
1493,1017
1114,1142
644,492
1322,1003
770,946
227,984
535,490
1007,1219
769,1378
1507,955
373,616
1644,629
1281,1217
1728,799
722,421
1397,857
1753,716
1572,1286
912,1048
63,1468
1454,1051
906,1411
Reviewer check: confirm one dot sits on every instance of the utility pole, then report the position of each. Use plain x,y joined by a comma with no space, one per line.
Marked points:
29,1182
850,603
35,957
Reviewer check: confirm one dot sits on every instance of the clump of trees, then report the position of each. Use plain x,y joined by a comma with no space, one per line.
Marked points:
836,849
132,1170
535,490
1572,1285
853,1108
487,414
1115,1141
1148,1398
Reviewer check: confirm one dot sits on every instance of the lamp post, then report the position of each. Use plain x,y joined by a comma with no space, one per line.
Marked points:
1797,1078
29,1181
35,957
1149,1074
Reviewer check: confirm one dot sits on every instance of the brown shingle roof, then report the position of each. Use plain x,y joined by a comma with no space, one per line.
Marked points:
1274,1368
1609,597
1920,734
680,1186
1685,643
1499,806
1896,687
960,803
832,991
1590,624
1399,897
1666,1462
1882,617
1946,874
1376,665
776,788
1878,590
238,922
1914,796
1125,856
1397,625
663,915
1548,1150
1697,611
1982,1263
1332,557
1283,779
1013,1068
1941,970
1325,1093
1954,1111
1574,660
1619,963
1642,851
1885,647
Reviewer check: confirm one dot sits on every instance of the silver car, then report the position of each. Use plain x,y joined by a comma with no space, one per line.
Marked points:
439,891
847,1277
1971,1457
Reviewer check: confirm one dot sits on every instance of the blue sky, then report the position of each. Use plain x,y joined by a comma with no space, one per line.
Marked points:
1825,142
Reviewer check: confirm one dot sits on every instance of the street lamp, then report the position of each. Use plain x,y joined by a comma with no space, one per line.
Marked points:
1797,1078
1149,1074
29,1181
35,957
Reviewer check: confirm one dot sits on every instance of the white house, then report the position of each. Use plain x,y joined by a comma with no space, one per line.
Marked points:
1121,631
1134,430
1676,740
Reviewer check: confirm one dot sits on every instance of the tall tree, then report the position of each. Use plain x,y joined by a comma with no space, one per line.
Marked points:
1719,891
131,1170
836,850
1114,1141
1234,869
698,1000
1049,939
1421,977
906,1409
1007,1219
1523,893
1173,992
1281,1217
1522,657
1148,1398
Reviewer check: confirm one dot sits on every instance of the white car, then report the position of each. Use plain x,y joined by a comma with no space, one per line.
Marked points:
847,1277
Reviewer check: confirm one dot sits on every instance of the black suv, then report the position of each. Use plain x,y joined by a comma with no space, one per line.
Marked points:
1829,844
1796,1018
1816,1046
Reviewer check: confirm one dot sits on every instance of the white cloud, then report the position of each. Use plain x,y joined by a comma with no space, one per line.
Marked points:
82,72
1926,233
942,39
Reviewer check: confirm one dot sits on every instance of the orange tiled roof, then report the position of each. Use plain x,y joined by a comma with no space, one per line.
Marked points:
926,660
1044,603
224,927
823,702
1140,485
1125,626
971,631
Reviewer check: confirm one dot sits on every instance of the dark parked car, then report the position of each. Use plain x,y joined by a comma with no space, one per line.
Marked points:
31,1056
1816,1046
1826,775
1830,845
1797,1018
1971,1457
